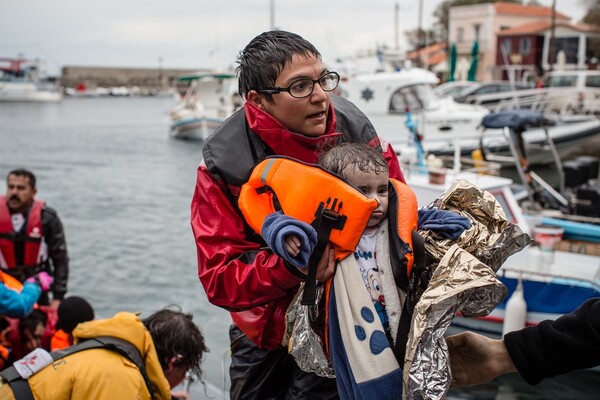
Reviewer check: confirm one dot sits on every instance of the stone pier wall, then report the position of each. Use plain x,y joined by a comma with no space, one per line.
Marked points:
148,78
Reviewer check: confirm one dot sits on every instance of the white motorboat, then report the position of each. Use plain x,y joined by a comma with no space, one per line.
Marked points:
209,99
21,81
559,271
386,97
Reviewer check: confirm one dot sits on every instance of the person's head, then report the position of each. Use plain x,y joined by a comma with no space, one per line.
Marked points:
31,330
178,342
277,71
20,189
363,167
72,311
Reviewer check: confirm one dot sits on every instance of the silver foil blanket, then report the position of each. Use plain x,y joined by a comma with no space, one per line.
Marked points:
463,280
302,341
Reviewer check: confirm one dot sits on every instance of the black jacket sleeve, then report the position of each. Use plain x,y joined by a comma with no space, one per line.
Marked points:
556,347
57,251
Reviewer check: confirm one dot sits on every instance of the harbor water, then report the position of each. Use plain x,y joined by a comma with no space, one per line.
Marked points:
122,189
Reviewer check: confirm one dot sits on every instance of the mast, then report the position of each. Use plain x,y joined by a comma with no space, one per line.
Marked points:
419,39
396,28
272,15
552,50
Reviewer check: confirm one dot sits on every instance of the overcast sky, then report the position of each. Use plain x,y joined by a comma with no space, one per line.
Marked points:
200,33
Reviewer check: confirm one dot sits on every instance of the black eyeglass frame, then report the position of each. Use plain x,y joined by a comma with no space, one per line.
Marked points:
278,89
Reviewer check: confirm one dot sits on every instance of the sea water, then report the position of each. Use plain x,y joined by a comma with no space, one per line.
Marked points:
122,189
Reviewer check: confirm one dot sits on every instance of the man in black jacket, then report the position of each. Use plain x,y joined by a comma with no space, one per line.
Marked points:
32,238
537,352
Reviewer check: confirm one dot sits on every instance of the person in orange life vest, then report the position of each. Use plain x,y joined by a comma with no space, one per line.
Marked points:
366,170
72,311
17,301
288,111
32,237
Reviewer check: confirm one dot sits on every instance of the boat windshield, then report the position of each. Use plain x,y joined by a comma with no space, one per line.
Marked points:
412,98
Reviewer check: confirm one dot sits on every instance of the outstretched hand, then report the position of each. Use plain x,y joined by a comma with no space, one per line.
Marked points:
477,359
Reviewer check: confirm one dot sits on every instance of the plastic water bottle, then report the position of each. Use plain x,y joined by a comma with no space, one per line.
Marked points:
515,313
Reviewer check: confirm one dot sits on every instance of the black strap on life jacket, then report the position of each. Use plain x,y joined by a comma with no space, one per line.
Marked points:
22,390
327,219
418,277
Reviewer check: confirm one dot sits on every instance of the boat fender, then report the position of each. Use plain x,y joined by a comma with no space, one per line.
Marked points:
515,313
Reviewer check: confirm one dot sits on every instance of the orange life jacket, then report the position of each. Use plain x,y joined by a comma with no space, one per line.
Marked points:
298,190
403,218
10,281
4,355
60,340
32,236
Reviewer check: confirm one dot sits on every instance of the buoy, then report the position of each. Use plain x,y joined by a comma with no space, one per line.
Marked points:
515,313
478,160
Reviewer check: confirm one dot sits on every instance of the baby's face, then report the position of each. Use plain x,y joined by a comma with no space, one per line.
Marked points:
375,186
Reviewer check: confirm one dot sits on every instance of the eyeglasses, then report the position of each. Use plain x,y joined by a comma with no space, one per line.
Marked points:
304,87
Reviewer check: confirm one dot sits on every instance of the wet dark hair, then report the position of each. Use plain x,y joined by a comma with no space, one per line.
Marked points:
263,59
31,321
23,172
175,335
358,155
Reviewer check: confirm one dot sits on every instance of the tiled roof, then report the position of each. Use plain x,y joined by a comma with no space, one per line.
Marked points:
436,58
542,26
434,54
529,11
428,50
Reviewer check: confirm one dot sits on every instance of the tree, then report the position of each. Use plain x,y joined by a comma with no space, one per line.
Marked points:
593,12
418,38
592,17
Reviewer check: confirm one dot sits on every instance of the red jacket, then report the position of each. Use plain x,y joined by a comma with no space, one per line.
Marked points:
237,270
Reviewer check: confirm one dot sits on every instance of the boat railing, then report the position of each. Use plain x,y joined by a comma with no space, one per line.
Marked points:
561,101
475,165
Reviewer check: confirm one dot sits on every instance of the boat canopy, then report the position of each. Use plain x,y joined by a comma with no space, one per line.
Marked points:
517,120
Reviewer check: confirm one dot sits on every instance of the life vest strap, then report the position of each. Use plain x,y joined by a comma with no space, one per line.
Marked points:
417,279
326,220
20,236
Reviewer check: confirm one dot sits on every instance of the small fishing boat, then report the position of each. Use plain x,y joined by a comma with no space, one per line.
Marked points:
209,99
21,80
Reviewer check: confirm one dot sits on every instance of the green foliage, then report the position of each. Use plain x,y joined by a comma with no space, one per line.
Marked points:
593,14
